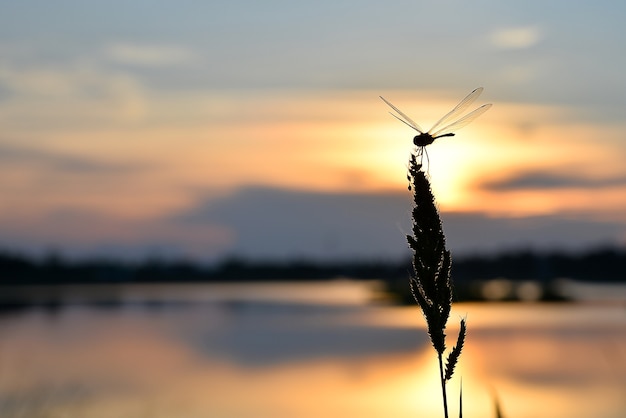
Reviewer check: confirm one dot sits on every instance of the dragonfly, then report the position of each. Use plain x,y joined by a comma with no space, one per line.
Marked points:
447,125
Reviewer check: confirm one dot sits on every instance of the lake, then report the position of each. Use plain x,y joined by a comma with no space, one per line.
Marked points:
291,350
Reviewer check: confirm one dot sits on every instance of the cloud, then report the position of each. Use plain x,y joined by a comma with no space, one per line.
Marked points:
83,234
515,38
278,224
59,162
149,55
476,233
540,180
70,95
36,81
275,223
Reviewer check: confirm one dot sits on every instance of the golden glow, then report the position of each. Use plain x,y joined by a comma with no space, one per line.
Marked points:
156,162
539,360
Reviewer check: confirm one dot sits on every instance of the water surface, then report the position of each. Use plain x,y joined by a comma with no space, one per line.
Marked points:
304,350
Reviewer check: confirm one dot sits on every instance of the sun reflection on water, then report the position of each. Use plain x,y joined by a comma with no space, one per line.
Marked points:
310,361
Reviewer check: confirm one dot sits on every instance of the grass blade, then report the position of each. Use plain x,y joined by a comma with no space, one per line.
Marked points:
453,357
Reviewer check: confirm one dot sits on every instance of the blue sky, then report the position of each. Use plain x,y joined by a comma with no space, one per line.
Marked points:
122,121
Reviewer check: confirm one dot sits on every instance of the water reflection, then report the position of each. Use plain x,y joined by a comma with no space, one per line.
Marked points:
306,360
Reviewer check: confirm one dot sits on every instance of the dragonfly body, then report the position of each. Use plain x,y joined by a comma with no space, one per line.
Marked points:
449,122
425,138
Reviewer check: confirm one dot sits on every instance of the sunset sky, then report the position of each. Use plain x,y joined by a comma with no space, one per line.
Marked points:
210,129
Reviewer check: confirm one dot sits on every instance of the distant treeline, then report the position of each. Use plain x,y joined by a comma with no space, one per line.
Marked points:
599,265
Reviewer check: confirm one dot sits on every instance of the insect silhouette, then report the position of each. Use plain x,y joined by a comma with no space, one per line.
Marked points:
447,125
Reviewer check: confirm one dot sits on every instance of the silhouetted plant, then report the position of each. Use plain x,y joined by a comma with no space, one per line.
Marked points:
430,282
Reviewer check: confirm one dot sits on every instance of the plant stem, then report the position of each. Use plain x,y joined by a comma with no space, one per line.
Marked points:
443,387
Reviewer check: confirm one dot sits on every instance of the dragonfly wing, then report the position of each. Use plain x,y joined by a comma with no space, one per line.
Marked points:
405,122
463,104
454,126
403,118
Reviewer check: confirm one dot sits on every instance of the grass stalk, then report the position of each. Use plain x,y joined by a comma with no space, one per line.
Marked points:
430,282
443,387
